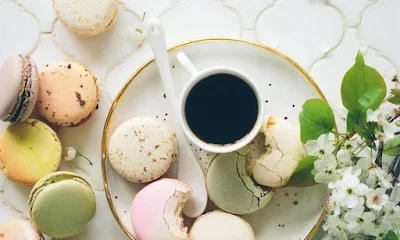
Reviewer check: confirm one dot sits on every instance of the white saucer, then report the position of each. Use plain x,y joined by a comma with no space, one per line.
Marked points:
294,213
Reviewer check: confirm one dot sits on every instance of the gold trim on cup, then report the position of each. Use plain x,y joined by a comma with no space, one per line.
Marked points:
131,79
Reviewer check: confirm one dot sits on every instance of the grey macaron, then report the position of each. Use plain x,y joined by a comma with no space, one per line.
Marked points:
19,88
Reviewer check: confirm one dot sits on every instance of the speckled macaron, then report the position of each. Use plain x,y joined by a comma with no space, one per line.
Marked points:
87,17
68,93
142,149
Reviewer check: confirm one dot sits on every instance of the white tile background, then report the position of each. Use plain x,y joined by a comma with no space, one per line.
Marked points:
323,36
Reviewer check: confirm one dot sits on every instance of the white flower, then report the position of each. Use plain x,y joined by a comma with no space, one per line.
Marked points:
344,156
325,169
71,154
381,116
348,190
376,199
336,227
378,176
319,147
358,220
139,37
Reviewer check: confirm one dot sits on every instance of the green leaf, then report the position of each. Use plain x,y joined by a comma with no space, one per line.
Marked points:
367,132
315,119
391,236
392,146
302,176
355,119
362,88
395,99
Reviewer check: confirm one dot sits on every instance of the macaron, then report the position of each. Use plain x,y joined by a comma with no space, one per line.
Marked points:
230,186
156,212
19,88
142,149
88,17
61,204
29,151
218,225
19,230
68,93
284,150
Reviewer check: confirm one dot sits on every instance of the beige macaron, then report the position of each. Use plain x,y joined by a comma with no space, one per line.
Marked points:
87,17
142,149
68,93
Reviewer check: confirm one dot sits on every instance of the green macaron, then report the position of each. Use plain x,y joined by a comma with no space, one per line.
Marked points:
61,204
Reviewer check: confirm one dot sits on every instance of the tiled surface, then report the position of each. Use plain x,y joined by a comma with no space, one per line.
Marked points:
323,36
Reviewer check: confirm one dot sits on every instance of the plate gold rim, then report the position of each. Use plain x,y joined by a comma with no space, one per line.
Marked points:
131,79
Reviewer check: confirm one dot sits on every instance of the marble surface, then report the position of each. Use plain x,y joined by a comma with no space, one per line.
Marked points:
323,36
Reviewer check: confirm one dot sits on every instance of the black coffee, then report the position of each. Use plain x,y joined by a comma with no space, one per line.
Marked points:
221,109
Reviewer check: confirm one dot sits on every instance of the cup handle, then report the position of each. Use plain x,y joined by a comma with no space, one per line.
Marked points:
186,63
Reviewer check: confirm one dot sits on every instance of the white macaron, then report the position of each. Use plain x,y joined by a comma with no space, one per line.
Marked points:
142,149
86,17
218,225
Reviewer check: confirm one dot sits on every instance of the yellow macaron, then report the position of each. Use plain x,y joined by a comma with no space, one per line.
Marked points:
29,151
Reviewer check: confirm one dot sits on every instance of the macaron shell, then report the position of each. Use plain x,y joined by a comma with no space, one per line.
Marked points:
63,209
219,225
155,208
19,230
11,83
68,93
87,17
231,188
29,151
142,149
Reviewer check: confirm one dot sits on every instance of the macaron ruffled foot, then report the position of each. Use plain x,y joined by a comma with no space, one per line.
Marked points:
156,212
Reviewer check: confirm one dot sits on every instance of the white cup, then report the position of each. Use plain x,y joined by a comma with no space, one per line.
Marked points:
197,76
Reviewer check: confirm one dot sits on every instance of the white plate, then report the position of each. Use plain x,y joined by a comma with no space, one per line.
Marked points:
294,213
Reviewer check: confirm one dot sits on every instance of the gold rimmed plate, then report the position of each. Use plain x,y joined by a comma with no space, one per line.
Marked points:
294,213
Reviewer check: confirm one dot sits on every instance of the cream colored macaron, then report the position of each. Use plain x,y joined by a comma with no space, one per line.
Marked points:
87,17
142,149
68,93
218,225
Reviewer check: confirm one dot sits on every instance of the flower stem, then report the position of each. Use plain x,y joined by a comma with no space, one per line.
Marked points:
394,169
341,142
81,155
380,153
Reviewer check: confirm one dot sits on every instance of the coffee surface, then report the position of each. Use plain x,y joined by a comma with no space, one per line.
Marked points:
221,109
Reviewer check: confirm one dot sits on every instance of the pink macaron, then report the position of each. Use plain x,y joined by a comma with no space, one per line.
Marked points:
156,212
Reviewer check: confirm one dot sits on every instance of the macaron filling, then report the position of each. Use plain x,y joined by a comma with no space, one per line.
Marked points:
174,221
23,98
